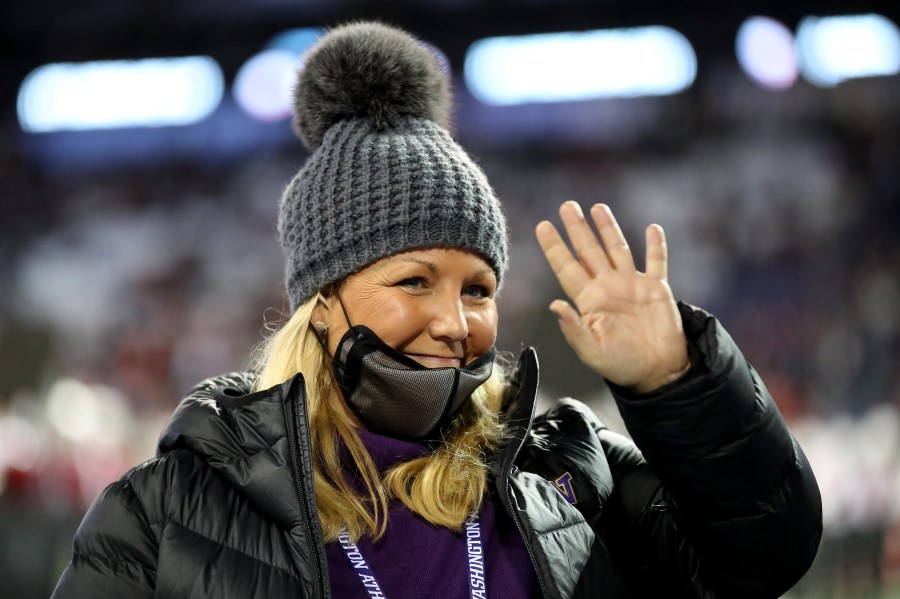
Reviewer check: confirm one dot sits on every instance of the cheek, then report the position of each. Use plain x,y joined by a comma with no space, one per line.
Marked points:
483,329
392,316
371,305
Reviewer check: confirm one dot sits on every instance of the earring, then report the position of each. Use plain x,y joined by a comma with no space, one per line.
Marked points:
320,327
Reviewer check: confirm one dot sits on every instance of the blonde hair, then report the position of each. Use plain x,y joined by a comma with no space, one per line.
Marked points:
443,487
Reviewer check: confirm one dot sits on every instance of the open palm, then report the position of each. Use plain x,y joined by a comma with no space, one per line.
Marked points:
624,324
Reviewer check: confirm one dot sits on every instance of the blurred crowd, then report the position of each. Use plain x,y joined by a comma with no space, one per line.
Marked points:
123,289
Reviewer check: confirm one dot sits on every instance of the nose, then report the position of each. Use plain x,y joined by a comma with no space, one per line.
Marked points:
448,320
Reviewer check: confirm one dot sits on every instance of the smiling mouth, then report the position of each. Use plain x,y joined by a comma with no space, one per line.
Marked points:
435,361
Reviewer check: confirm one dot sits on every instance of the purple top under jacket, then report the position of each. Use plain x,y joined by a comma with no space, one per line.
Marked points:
417,560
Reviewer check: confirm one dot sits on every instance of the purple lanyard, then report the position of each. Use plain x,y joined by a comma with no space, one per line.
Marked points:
474,551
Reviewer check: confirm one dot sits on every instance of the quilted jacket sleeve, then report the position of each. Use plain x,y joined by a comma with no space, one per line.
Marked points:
738,511
114,553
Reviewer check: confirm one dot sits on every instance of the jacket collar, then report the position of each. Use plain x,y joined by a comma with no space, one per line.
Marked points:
518,410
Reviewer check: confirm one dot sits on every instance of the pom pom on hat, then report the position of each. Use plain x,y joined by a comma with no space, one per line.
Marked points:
368,70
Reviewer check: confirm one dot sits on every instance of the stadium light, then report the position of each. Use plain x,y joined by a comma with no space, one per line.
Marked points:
558,67
834,49
123,93
765,50
263,86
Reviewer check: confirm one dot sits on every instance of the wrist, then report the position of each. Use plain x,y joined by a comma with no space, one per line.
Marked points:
651,385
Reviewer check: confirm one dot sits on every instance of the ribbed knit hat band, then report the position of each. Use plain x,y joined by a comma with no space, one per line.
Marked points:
384,177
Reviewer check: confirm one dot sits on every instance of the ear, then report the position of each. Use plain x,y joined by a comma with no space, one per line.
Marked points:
322,312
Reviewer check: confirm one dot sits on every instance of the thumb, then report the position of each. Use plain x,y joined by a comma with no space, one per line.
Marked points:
570,324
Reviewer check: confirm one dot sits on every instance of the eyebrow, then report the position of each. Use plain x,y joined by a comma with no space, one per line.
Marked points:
432,267
429,265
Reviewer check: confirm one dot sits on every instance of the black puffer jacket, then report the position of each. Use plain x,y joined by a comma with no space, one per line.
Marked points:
725,504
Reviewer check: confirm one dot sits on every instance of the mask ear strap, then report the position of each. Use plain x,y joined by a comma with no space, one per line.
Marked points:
343,308
320,337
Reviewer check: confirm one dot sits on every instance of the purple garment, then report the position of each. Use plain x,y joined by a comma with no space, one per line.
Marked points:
416,560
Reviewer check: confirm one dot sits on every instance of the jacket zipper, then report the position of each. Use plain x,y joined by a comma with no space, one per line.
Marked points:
304,497
504,488
515,516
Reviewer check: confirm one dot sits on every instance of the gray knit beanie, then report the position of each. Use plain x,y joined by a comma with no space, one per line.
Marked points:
372,104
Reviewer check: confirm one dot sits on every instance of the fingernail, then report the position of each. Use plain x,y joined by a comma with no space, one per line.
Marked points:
553,308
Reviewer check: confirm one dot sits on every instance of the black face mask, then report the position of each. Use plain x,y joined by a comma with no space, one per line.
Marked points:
394,395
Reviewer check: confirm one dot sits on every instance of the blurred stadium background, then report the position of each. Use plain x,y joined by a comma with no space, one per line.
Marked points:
138,201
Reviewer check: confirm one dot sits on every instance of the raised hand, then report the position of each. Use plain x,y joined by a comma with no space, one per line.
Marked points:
625,324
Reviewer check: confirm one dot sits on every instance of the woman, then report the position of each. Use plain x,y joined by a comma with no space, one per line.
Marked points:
379,451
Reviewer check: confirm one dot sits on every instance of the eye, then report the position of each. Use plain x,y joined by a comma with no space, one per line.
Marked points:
412,282
479,291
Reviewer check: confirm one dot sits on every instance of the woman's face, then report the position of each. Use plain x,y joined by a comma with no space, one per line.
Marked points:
434,305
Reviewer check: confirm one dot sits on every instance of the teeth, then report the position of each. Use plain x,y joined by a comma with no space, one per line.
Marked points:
426,358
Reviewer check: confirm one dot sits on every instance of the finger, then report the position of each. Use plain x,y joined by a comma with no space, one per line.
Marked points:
657,253
583,238
569,272
613,240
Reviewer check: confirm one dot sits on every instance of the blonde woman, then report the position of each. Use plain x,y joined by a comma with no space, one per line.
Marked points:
379,451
